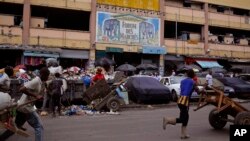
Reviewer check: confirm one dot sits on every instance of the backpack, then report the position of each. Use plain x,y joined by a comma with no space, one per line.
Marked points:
56,87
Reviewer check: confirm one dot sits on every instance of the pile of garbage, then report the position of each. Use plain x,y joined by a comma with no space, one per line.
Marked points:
81,110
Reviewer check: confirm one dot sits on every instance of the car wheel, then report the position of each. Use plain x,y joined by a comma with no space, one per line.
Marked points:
174,96
242,118
113,104
217,120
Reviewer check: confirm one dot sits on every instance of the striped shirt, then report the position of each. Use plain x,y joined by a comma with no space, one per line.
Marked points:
187,87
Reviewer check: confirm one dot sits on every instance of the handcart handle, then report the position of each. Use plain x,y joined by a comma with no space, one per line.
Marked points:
16,105
28,102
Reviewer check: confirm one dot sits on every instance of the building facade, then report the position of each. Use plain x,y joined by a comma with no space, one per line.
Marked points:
166,33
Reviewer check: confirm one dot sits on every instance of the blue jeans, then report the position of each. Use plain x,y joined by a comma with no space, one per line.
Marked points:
34,121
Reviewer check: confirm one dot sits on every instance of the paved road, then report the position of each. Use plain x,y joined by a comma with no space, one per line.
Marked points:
131,125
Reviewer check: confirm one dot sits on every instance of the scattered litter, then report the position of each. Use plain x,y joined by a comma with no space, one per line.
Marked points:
81,110
149,106
113,113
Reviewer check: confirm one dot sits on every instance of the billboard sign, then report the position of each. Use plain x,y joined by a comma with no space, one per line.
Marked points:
127,29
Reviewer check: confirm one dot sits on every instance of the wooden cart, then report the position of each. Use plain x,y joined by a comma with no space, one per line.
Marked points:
104,96
225,107
7,118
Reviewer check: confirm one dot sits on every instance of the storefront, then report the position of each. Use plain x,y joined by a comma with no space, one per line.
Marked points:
204,63
208,64
145,55
70,58
172,62
240,66
35,58
151,54
119,57
10,57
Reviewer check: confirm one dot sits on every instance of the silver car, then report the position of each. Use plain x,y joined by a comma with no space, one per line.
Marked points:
173,83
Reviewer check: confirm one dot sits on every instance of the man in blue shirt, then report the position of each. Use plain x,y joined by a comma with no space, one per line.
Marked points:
187,87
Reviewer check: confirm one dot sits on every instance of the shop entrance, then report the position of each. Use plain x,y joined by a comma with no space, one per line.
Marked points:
14,60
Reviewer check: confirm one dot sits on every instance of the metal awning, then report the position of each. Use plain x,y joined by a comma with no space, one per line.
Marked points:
74,54
209,64
40,54
182,67
30,48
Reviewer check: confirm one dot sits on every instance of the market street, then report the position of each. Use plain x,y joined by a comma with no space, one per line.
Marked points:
131,125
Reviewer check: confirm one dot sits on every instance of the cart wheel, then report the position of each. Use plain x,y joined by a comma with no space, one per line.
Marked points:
242,118
113,104
216,119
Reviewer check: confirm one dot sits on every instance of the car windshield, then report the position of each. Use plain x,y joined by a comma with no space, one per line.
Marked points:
245,77
176,80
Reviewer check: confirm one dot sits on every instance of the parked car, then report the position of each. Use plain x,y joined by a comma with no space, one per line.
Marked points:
146,89
173,83
241,87
228,91
245,77
215,75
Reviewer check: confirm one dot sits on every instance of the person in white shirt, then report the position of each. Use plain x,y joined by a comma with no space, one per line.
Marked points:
34,89
173,73
5,98
209,79
31,90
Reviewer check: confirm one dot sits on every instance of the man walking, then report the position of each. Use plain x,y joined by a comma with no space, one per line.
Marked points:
56,91
31,90
187,87
209,79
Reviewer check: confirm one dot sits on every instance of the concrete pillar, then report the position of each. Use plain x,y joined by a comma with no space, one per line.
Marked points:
92,28
205,31
92,25
162,18
26,22
162,65
162,43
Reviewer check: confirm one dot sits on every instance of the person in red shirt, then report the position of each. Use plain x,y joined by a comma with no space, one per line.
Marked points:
195,78
98,76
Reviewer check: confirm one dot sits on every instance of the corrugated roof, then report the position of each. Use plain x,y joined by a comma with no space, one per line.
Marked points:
31,48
